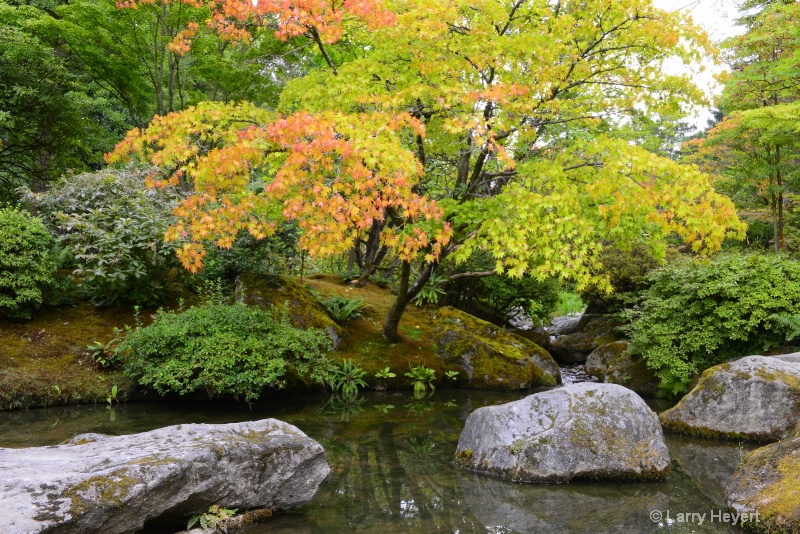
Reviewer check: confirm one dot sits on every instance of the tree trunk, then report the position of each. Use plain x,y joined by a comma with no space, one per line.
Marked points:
404,296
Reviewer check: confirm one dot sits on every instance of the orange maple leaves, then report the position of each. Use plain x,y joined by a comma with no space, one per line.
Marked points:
291,18
335,174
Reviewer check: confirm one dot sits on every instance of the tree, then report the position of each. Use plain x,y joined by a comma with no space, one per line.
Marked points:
41,131
755,147
452,128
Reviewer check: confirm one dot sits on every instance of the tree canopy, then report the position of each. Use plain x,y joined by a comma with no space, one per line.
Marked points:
447,128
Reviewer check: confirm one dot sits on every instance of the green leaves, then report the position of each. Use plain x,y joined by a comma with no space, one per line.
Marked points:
222,350
698,314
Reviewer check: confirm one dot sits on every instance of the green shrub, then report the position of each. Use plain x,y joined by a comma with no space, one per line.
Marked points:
695,314
114,227
27,263
271,256
222,350
627,271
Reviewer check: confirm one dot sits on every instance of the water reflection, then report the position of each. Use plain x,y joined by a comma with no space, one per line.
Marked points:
392,470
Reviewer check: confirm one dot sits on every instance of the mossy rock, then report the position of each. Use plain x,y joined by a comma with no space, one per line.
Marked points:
576,432
538,336
753,398
768,484
575,348
612,364
490,357
273,292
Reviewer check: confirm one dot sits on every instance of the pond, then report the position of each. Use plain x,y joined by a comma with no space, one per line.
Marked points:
392,470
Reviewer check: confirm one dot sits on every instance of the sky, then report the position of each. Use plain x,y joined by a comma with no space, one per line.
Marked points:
717,18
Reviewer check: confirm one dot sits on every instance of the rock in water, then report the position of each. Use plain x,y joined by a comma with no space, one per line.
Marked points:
491,357
116,484
767,488
755,398
580,431
612,364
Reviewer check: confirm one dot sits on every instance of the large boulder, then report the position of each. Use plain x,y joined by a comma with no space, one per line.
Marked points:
612,364
575,347
491,357
767,488
754,398
564,324
580,431
112,485
275,292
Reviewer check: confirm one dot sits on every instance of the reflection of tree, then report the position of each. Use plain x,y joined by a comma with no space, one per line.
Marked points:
396,476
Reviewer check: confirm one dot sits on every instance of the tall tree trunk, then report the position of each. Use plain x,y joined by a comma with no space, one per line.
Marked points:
775,230
404,296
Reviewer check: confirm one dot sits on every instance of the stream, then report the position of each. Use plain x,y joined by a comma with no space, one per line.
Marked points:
392,470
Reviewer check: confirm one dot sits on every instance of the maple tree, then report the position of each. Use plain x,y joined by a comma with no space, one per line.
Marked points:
445,129
755,147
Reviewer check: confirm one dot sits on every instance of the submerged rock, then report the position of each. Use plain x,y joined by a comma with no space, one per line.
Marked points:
116,484
755,398
611,364
768,484
491,357
580,431
273,292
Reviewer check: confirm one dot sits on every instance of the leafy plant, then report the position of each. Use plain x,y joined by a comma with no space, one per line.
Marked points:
114,227
27,263
452,375
214,518
384,408
105,354
791,322
422,378
698,314
384,373
342,308
347,378
432,291
223,350
112,395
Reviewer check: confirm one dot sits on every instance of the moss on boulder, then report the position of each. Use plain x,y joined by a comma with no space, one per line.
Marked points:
612,364
592,333
768,484
490,357
754,398
273,292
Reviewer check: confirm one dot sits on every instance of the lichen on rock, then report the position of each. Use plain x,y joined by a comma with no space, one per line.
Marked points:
768,484
580,431
490,357
612,364
753,398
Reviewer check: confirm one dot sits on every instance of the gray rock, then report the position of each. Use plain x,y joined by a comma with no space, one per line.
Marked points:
575,348
579,431
566,324
536,335
491,357
710,464
767,484
116,484
611,364
794,357
755,398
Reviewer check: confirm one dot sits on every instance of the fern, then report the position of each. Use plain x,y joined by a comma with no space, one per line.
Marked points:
791,322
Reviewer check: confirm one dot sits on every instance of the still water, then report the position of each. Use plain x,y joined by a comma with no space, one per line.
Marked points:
392,470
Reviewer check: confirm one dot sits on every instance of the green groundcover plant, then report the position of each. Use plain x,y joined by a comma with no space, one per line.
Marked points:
697,314
223,350
27,263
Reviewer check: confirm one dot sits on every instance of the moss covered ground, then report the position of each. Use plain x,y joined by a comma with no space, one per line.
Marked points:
44,362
